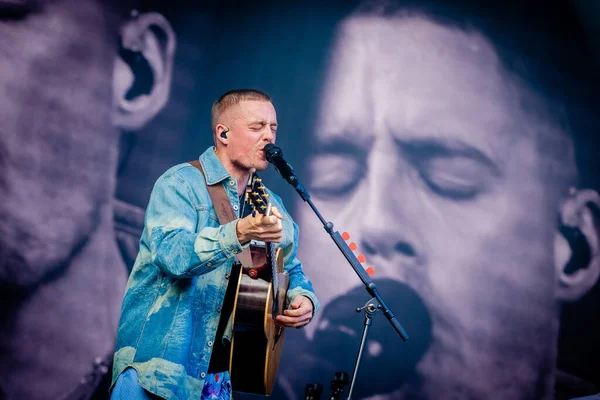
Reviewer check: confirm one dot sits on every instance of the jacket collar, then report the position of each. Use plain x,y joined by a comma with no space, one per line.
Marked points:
214,171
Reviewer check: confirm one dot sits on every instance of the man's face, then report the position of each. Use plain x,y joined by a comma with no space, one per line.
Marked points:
57,146
426,159
253,124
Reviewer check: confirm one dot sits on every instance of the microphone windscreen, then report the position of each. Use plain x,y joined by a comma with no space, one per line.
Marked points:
271,151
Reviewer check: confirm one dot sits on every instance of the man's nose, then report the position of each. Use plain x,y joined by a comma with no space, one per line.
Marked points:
389,226
269,135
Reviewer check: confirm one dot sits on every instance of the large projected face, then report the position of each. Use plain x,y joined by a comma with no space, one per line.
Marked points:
429,158
62,102
63,98
57,143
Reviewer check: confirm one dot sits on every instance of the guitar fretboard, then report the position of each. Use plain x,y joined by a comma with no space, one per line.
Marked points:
258,200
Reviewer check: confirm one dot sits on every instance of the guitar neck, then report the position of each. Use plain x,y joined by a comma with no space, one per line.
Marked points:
258,199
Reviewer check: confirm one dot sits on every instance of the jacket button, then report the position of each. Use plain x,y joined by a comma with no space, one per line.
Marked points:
210,343
231,182
236,207
209,264
202,375
218,309
226,275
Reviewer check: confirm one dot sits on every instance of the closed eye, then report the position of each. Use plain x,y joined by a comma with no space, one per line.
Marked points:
453,170
336,168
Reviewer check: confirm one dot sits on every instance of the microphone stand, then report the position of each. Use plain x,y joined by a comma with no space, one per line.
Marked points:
370,286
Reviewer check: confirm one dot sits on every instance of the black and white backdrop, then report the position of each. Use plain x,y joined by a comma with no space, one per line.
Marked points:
456,141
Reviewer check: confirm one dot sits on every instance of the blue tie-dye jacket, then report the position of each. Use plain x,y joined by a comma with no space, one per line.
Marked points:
173,299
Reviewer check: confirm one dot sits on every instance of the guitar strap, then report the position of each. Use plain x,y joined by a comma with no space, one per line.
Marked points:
225,213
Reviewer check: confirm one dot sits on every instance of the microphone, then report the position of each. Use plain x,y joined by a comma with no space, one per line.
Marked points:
274,155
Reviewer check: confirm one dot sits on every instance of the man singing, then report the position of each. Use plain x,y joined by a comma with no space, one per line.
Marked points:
170,342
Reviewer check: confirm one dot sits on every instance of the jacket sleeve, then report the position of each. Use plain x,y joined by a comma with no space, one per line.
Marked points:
171,226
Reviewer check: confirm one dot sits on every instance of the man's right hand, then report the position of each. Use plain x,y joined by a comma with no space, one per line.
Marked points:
260,227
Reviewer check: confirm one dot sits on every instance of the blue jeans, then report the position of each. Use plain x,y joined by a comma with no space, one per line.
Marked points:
216,387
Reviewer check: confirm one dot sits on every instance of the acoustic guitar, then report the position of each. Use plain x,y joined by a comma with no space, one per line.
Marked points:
260,297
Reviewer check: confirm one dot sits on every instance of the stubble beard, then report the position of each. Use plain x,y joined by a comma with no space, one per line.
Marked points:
257,164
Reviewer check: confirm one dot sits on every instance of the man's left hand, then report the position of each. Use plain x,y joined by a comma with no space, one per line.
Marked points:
299,313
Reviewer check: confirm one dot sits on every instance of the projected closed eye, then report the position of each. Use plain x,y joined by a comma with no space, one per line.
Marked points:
334,175
454,177
337,168
451,169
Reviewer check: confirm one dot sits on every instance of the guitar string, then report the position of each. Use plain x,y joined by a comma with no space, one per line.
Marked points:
275,278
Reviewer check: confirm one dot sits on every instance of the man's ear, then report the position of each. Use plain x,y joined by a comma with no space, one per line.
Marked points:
142,70
221,132
577,245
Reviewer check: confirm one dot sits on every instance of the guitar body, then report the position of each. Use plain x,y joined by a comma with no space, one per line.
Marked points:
257,342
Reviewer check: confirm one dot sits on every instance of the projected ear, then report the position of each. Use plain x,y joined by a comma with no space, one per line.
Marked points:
143,70
576,246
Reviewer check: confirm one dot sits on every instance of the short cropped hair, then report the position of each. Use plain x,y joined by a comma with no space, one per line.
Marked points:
232,98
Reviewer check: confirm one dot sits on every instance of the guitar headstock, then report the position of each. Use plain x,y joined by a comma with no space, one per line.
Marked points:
257,196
